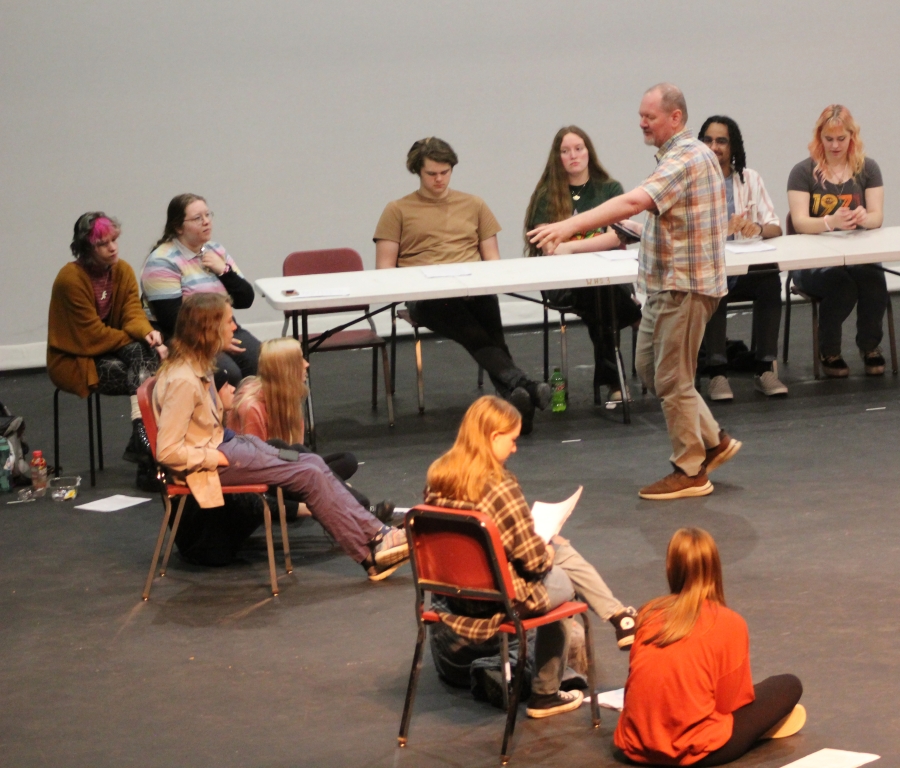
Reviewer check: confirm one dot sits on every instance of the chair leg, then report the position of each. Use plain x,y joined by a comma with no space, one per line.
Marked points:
285,541
388,372
514,699
99,434
420,376
891,335
309,412
564,348
56,432
171,542
592,673
167,505
375,379
546,344
270,546
505,668
787,319
90,407
815,335
413,684
393,348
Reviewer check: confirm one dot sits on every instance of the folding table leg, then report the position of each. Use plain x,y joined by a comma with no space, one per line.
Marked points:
413,684
815,333
388,373
375,379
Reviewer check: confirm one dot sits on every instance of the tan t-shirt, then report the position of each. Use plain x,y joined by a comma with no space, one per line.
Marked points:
437,231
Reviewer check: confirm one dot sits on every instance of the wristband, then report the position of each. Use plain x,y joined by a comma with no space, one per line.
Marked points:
827,228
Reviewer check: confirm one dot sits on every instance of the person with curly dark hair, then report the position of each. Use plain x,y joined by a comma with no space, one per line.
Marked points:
750,215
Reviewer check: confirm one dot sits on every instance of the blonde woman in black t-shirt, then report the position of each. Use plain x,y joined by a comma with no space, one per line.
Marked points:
838,188
574,181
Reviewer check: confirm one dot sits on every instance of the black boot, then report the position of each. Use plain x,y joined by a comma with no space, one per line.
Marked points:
146,479
138,448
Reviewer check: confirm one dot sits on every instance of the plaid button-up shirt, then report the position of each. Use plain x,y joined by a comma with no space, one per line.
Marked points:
683,245
529,558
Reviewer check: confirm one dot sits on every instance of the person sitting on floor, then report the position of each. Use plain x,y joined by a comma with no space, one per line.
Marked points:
750,215
185,261
473,475
838,188
194,445
689,697
574,181
270,406
98,337
438,225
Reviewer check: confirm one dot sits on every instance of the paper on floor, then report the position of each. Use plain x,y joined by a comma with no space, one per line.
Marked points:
612,699
833,758
112,503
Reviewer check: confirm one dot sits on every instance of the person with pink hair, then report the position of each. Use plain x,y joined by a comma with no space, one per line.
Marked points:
98,336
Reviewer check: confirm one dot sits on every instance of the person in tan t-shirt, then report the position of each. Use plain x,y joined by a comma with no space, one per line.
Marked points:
437,225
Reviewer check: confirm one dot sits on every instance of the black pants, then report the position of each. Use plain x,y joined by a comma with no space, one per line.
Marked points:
583,302
237,365
776,697
475,323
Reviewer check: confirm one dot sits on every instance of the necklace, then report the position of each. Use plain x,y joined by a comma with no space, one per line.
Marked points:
837,175
576,195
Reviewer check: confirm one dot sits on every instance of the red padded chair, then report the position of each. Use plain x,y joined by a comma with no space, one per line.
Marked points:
459,554
169,491
328,261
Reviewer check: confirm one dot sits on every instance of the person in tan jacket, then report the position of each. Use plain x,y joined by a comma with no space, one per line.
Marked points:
98,336
194,445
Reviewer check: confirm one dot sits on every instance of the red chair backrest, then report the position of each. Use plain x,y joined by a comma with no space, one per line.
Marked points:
458,553
145,401
319,262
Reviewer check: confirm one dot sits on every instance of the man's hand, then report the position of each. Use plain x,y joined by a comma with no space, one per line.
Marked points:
548,237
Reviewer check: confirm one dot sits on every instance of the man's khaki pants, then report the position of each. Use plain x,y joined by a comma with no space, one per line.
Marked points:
672,327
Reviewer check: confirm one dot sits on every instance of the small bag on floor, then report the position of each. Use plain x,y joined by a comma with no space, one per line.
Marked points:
12,428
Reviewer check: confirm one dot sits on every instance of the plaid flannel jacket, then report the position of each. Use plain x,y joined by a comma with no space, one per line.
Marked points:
528,556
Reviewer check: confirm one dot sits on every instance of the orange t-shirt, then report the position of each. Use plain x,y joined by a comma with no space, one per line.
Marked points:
679,699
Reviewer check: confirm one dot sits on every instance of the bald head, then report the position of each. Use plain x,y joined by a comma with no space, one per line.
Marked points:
663,113
670,99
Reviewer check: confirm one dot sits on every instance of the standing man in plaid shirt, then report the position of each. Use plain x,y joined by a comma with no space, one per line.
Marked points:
682,272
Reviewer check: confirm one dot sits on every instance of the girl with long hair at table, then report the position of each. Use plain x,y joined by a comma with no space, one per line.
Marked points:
193,443
270,406
689,698
473,475
838,188
574,181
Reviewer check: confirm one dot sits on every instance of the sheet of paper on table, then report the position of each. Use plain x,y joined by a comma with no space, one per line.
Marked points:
447,270
619,255
112,503
550,518
755,246
317,293
833,758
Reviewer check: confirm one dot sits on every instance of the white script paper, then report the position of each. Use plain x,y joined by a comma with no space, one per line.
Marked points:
833,758
550,518
112,503
755,246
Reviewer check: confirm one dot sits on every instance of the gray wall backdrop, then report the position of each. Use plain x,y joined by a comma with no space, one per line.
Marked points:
293,118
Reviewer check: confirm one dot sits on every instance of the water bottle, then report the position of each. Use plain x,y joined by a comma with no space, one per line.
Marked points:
558,385
6,465
38,474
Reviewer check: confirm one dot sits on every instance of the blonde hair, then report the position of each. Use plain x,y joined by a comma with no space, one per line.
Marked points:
694,572
198,330
837,115
280,385
466,468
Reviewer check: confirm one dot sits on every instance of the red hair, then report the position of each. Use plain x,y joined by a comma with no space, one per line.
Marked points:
101,229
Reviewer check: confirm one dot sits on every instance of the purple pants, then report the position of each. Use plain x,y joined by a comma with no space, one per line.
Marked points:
253,461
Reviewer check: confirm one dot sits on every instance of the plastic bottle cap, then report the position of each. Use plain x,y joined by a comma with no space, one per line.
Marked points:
37,454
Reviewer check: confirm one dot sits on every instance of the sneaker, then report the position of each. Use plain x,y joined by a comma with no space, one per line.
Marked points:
549,704
138,449
520,398
678,485
874,362
624,625
835,367
788,725
769,384
540,394
377,572
726,450
720,389
389,546
383,511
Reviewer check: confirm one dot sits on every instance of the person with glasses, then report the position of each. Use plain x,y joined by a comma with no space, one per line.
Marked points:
751,215
838,188
186,261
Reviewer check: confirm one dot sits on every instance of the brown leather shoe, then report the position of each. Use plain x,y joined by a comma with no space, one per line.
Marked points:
726,450
678,485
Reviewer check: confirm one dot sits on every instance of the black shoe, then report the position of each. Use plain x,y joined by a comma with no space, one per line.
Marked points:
873,361
138,448
625,627
540,394
383,511
547,705
834,367
520,398
146,479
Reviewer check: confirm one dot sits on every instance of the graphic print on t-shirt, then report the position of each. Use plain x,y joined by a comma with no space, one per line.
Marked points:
825,205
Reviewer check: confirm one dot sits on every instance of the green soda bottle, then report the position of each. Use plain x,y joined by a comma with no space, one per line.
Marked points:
558,385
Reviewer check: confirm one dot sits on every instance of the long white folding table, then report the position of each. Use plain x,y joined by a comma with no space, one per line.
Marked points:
388,287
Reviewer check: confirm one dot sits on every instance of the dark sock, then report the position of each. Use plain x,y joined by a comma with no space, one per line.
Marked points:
716,370
762,366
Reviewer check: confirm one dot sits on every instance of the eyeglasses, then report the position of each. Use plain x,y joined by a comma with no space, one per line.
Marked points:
719,141
201,218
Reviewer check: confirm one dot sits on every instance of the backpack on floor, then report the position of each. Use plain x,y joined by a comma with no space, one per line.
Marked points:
12,428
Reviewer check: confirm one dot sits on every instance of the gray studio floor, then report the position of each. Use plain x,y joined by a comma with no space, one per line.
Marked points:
213,671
